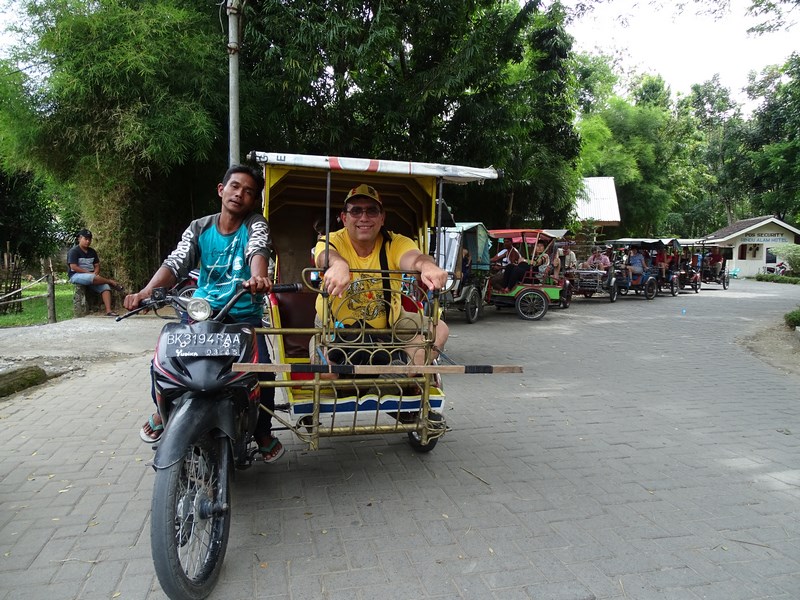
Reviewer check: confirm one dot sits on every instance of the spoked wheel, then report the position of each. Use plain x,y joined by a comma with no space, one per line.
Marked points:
650,289
436,423
188,292
187,540
613,291
696,286
673,287
472,305
532,305
726,281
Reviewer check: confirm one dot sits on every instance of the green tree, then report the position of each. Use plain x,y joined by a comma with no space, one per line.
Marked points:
124,100
774,141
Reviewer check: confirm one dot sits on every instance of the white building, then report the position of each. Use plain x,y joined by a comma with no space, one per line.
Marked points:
746,244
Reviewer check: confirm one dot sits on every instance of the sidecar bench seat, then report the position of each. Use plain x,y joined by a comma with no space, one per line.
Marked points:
296,310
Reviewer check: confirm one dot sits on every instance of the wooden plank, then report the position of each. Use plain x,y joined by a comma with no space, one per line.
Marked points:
379,369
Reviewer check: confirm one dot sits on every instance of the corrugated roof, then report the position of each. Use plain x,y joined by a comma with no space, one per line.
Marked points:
598,201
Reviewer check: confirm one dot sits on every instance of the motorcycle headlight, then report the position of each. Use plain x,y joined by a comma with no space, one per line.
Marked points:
198,309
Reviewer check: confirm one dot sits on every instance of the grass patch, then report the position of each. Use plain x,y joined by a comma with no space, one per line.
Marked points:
792,319
34,312
778,278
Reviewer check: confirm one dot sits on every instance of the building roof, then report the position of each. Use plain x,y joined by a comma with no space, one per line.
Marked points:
598,201
745,225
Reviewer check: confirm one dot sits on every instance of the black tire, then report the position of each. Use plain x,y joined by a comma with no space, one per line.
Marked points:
436,422
188,291
532,304
650,289
188,546
696,286
726,281
673,287
613,291
472,305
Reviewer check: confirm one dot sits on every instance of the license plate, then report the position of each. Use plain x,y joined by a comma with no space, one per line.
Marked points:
203,344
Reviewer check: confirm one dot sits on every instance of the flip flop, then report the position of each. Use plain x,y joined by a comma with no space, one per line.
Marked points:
267,450
157,429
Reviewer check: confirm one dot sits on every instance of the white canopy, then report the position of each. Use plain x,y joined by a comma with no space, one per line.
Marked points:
450,173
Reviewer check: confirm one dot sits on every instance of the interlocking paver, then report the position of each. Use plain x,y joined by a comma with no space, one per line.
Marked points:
644,454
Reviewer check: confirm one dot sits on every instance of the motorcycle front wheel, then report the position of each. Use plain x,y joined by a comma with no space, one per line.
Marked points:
187,540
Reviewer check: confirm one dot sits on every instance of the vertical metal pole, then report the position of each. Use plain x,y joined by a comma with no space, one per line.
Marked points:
234,12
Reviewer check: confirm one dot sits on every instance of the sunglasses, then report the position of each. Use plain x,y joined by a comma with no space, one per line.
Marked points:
357,211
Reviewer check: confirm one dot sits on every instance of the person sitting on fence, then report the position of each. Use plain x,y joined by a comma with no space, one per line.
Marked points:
83,268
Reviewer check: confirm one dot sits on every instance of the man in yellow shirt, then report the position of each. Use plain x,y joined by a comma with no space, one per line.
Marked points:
358,245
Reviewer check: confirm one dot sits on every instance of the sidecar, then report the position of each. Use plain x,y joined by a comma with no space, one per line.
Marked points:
345,378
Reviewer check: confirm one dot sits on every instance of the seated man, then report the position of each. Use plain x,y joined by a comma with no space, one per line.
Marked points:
635,264
83,268
716,261
597,260
541,263
507,258
568,259
364,243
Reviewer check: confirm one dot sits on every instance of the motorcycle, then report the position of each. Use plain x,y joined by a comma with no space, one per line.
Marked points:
186,287
209,414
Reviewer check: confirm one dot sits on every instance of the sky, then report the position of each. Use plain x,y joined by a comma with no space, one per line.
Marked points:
684,49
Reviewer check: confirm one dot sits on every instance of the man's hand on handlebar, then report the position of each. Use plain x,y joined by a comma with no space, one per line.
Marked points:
258,284
132,301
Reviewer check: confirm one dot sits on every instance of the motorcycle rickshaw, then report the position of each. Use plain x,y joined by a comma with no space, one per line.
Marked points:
340,376
690,266
591,282
708,273
645,283
463,250
536,291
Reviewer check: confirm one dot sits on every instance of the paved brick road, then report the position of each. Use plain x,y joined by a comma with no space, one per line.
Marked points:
642,455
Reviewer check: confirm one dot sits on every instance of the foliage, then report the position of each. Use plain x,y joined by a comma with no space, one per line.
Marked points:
774,141
123,101
34,312
790,253
778,278
27,217
792,319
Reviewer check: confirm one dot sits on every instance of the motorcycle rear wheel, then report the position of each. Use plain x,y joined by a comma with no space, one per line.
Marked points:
187,542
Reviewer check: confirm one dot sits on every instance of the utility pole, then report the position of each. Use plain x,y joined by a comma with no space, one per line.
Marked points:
234,8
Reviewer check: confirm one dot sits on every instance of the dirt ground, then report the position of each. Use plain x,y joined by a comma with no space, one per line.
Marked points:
777,345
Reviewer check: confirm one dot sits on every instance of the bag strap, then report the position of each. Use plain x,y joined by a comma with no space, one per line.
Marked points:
385,282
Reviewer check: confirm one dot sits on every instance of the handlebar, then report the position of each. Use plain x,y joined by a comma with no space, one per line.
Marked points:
160,298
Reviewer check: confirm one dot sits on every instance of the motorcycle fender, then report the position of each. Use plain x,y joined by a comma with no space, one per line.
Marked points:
192,417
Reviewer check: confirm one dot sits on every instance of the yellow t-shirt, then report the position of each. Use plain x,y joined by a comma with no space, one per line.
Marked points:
364,299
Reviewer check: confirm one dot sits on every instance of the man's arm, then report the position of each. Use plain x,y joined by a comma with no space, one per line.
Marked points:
259,282
164,277
337,275
431,275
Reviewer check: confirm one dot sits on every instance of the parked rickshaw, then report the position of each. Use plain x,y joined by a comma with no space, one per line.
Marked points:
591,282
536,291
708,273
463,250
689,265
646,283
344,378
